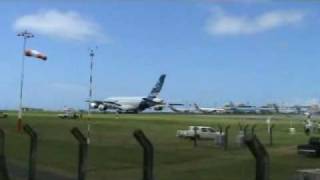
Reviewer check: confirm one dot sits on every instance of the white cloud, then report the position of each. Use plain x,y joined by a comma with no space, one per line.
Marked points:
222,23
67,25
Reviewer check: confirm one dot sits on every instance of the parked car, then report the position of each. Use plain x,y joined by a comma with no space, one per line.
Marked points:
69,115
202,133
310,149
3,115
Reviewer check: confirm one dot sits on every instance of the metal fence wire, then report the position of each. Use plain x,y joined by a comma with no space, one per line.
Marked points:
259,152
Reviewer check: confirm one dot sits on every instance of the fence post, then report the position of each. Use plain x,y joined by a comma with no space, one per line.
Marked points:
261,156
195,137
3,162
83,153
253,129
226,137
147,154
271,135
245,129
220,128
33,151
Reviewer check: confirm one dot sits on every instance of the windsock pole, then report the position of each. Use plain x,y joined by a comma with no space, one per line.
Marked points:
25,34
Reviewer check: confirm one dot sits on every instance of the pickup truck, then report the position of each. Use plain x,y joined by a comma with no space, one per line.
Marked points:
310,149
68,115
202,133
3,115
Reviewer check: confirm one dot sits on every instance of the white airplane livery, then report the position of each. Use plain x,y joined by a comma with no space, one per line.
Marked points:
180,110
209,110
133,104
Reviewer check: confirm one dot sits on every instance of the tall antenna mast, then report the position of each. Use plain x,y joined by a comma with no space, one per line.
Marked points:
91,54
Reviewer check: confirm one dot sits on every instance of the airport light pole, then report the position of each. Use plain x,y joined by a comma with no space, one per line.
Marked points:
91,54
26,35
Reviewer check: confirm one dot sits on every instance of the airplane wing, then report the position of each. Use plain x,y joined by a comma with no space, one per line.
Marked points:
94,101
110,104
175,104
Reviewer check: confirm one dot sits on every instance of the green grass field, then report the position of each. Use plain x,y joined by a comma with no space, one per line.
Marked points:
114,153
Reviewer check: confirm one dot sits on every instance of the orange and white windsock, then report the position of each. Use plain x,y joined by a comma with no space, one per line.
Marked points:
36,54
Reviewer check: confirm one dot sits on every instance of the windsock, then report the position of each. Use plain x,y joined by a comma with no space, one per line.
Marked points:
36,54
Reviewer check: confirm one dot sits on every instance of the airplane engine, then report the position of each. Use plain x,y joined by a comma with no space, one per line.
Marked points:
102,107
158,108
93,105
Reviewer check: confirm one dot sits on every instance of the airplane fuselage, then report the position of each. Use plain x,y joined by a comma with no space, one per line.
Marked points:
132,104
128,104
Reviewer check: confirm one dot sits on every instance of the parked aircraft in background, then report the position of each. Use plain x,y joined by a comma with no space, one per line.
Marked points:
231,108
313,110
246,109
288,110
132,104
181,110
305,108
309,110
269,109
209,110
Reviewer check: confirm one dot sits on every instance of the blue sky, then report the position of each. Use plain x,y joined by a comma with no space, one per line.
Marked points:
212,53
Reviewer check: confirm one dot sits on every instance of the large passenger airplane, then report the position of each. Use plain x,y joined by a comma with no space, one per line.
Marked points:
132,104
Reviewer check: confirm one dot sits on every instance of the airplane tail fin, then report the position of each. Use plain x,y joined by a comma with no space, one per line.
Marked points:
157,88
